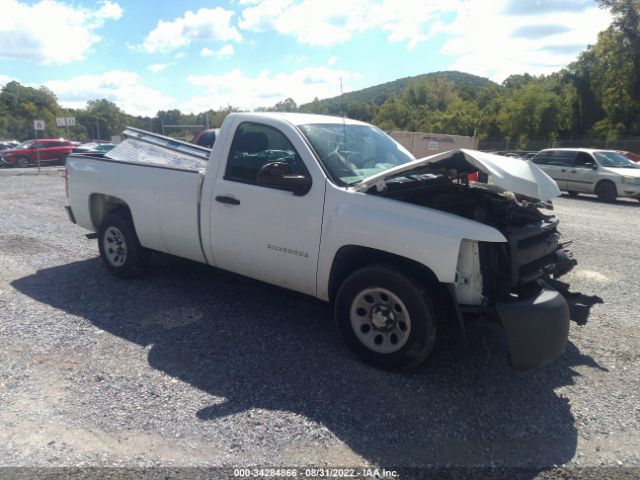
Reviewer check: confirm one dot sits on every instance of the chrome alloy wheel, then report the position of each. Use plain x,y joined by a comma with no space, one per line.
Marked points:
115,246
380,320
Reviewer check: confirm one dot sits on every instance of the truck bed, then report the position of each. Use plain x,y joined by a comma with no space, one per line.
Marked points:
157,177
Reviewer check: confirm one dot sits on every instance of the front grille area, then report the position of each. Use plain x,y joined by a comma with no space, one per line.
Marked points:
533,252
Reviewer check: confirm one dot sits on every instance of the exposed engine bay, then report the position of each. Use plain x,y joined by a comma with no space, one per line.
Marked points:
473,200
488,272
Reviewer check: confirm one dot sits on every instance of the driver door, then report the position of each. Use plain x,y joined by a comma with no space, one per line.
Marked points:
583,176
263,232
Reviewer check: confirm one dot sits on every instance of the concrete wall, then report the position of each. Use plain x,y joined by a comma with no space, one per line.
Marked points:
425,144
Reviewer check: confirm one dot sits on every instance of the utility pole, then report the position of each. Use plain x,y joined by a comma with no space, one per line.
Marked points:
37,150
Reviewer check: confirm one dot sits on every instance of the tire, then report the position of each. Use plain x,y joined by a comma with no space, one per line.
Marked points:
22,162
572,194
120,250
385,317
606,191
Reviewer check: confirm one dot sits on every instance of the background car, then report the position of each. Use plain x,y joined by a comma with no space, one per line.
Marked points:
630,155
206,138
94,147
6,144
607,173
47,150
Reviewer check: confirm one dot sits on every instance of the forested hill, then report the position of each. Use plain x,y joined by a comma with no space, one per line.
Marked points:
466,84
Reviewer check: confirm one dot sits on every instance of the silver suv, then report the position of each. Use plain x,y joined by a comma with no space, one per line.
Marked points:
607,173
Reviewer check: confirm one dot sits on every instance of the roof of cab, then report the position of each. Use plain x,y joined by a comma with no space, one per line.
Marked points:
303,118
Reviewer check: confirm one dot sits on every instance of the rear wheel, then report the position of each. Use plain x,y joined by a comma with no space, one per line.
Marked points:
22,162
385,317
606,191
119,247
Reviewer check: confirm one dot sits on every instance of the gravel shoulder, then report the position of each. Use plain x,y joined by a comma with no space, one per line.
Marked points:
190,366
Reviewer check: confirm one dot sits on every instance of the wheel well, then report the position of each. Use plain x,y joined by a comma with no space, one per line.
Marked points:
353,257
605,180
100,205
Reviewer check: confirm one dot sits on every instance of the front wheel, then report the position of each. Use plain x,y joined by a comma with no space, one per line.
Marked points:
22,162
385,317
606,191
119,247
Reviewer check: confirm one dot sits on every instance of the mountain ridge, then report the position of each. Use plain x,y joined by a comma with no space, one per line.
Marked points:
466,83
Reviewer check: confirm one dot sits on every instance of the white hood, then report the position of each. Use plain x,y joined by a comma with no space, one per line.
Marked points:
517,176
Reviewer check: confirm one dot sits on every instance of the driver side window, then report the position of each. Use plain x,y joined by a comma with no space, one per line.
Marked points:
583,160
254,145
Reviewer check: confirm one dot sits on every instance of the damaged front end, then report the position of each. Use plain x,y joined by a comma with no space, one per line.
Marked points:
506,281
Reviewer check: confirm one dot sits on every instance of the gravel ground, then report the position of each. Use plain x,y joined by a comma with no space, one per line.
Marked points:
179,369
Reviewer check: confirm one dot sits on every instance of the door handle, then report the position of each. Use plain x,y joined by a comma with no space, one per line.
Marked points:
563,170
228,200
573,171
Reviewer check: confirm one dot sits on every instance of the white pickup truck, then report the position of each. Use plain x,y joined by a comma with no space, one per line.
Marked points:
336,209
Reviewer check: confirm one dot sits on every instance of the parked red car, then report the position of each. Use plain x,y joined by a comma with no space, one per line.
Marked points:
50,150
630,155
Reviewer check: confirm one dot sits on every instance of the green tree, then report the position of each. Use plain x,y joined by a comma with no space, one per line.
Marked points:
626,21
395,114
286,105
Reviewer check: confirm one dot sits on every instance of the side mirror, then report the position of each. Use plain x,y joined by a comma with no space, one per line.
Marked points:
280,175
594,166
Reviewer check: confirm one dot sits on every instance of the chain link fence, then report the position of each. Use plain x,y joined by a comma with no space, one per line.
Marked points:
536,144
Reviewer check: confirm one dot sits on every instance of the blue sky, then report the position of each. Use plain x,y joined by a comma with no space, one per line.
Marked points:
195,55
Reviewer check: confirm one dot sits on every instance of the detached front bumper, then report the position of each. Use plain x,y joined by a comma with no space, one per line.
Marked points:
537,328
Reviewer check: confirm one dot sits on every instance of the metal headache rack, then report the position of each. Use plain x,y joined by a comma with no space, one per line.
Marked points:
142,147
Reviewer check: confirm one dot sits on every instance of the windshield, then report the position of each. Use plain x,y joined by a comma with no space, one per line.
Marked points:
614,159
25,144
352,153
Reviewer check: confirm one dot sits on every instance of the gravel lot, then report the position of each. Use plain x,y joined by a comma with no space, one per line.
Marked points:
190,366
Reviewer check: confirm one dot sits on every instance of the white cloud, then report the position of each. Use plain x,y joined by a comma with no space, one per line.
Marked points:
51,31
121,87
332,60
266,89
205,25
158,67
487,41
180,55
331,22
225,51
4,79
494,38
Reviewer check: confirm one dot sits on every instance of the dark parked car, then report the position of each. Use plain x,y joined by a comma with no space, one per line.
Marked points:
206,138
47,150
